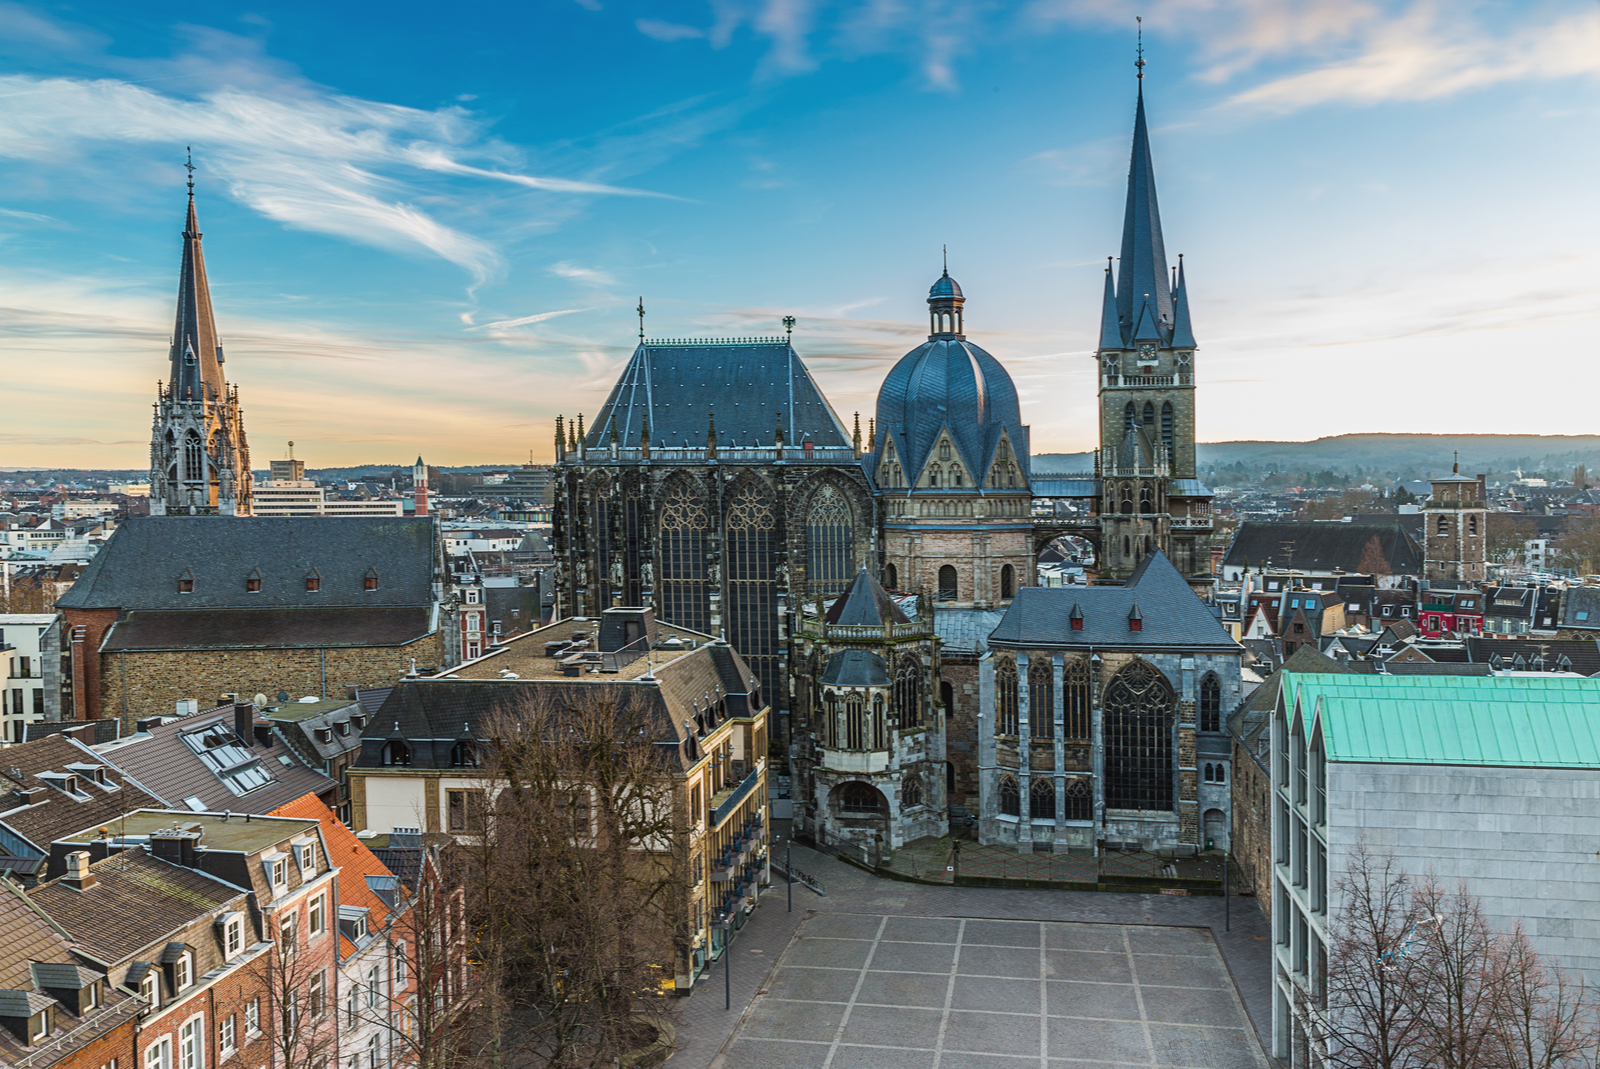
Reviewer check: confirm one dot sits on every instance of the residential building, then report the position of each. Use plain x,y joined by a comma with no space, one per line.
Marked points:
199,459
1308,617
1450,610
1424,768
225,924
302,497
418,769
194,608
1580,612
30,652
1510,610
57,1009
324,734
1102,714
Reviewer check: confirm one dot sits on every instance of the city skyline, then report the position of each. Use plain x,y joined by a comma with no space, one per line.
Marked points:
407,254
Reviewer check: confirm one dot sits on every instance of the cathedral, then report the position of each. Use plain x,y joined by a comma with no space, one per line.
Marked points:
863,577
199,460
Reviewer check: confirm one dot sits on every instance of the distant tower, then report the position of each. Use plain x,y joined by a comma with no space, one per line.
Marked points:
1150,497
419,486
1457,521
199,460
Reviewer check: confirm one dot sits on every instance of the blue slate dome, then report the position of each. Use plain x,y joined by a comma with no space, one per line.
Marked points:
944,287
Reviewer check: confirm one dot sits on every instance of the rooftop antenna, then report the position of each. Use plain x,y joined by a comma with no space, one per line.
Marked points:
188,165
640,310
1138,64
291,450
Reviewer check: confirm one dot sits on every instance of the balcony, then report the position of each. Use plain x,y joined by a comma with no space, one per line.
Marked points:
1136,380
726,801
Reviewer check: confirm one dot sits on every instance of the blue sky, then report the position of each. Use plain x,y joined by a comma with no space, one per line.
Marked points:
427,234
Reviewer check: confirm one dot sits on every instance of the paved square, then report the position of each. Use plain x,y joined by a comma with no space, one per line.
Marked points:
870,991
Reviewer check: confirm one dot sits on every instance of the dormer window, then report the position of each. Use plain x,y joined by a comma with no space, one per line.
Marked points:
150,989
252,582
464,755
396,752
1135,619
186,583
1077,618
313,582
370,580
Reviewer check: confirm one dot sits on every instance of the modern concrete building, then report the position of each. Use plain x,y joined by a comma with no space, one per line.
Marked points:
1491,781
30,672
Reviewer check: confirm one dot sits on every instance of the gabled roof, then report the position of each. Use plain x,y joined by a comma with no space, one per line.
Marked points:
1323,546
752,386
1525,721
1172,614
865,603
1582,654
139,567
55,813
855,668
1580,608
354,861
1250,722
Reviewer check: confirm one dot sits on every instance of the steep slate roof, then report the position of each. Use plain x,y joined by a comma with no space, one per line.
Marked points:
1523,721
855,668
750,386
164,763
1580,607
354,861
196,356
136,900
1323,545
58,813
1583,653
964,632
1172,614
140,566
865,603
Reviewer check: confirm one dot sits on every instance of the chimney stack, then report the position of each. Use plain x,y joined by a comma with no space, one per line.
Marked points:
79,875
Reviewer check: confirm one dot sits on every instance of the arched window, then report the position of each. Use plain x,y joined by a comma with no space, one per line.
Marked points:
1126,548
891,577
1041,700
911,793
1444,527
1129,418
947,583
194,458
1010,797
1222,774
600,539
860,799
1042,799
852,722
752,600
1210,704
955,476
1008,582
908,693
1078,804
828,545
880,738
1166,429
1075,695
1005,696
1149,414
684,525
1138,739
1206,774
947,697
1146,500
933,475
944,450
831,708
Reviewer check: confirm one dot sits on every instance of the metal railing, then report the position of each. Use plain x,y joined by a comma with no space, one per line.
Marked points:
720,811
699,455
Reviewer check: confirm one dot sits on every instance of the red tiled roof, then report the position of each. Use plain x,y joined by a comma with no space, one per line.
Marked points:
351,855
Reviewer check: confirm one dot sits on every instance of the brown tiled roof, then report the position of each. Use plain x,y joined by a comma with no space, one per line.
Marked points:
234,629
56,813
136,900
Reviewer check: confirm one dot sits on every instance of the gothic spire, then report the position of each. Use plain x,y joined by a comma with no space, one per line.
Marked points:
1182,332
1110,329
1143,271
196,356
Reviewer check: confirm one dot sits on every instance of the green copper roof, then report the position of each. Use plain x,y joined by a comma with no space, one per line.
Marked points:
1453,720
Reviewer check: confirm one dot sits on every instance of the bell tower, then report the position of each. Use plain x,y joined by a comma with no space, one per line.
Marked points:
1150,497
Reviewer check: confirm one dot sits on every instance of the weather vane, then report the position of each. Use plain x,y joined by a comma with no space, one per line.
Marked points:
1139,63
788,326
640,310
188,165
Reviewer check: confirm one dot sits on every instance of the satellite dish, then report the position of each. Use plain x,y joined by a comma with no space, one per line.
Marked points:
260,701
283,695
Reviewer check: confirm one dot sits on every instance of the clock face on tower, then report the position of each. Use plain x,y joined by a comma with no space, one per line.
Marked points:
1147,352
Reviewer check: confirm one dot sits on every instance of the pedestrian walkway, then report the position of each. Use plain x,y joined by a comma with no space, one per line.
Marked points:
704,1027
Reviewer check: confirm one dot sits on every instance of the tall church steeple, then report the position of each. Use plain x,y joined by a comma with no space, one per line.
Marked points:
199,460
1143,292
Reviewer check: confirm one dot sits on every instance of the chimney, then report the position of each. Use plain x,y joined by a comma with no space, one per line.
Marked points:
176,845
244,721
79,875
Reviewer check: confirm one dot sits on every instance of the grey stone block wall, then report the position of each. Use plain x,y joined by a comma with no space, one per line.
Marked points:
1523,839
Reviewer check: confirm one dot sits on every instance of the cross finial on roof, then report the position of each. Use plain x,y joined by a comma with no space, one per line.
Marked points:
640,310
1139,62
945,251
188,165
788,326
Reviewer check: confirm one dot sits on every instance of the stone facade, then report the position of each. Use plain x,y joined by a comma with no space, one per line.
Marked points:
138,684
1251,839
1456,529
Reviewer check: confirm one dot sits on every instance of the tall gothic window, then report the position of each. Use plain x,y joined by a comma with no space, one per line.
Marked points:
1147,503
1008,582
1005,697
830,708
1149,414
1138,739
860,799
752,589
1041,700
1075,699
947,583
1078,803
633,550
852,723
1210,704
1130,418
1010,797
685,523
1166,429
891,577
599,494
194,458
910,792
908,693
880,736
1042,799
828,545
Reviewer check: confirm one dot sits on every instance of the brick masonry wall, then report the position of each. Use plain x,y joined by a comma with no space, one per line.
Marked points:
977,566
1252,828
961,730
135,685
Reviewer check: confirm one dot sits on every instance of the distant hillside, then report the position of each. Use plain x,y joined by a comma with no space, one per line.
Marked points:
1404,456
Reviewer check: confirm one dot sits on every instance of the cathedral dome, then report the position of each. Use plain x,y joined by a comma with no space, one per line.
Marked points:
949,385
944,287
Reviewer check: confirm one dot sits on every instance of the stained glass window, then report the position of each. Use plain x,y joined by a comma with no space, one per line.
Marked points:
828,545
1138,739
684,524
1005,697
752,590
1041,700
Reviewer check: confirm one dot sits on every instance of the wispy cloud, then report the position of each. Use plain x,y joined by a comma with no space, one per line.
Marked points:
540,317
668,31
592,275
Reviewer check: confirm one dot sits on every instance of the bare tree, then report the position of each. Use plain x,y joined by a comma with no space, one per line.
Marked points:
1369,967
1544,1022
580,863
1458,983
299,1015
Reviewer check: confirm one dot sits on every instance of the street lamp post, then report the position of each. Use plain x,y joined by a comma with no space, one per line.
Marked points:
788,869
726,924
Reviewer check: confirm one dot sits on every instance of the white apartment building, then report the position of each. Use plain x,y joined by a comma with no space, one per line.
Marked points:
303,497
30,684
